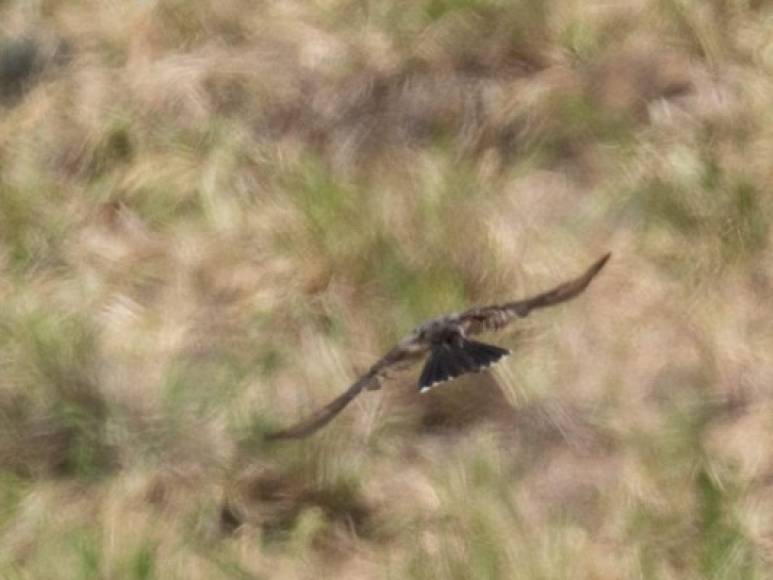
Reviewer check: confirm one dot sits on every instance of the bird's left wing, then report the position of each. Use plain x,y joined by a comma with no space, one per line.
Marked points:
408,349
487,318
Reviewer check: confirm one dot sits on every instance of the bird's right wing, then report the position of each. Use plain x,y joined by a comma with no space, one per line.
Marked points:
487,318
406,350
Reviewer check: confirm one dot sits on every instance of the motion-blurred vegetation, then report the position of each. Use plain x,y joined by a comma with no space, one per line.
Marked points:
214,214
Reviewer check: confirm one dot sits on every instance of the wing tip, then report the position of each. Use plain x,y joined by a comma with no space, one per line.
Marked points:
594,269
600,262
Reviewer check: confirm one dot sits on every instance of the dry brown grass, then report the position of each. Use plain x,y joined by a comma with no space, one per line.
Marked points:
213,215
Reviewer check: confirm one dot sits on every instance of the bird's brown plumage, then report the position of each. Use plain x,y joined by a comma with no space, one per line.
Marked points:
425,338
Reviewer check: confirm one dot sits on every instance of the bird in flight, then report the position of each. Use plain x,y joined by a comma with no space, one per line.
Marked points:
451,352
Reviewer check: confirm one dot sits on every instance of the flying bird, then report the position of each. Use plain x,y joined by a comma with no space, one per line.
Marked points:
451,352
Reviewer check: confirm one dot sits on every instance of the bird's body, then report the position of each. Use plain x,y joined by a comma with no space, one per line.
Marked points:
451,353
451,350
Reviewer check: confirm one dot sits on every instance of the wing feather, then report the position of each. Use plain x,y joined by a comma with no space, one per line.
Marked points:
406,350
487,318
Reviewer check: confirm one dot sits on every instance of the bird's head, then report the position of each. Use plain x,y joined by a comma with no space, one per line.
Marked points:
438,330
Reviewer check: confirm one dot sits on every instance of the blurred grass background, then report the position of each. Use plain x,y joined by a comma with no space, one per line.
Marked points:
214,214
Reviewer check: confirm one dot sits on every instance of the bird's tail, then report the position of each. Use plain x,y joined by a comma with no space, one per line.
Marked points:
448,361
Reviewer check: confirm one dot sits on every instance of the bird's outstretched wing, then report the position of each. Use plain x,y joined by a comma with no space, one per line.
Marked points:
471,322
488,318
408,349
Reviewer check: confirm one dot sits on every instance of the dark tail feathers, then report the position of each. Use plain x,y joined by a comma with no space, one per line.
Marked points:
448,361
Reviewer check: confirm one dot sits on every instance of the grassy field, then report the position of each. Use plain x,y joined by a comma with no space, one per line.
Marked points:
214,214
